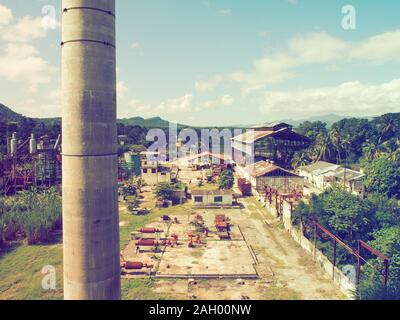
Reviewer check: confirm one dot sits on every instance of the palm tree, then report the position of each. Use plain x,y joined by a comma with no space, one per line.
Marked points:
370,150
387,125
139,184
336,139
300,159
323,147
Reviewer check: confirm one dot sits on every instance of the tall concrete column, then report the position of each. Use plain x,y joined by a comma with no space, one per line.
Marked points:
89,143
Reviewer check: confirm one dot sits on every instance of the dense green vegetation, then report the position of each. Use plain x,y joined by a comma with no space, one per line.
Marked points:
373,145
226,180
30,214
374,219
351,141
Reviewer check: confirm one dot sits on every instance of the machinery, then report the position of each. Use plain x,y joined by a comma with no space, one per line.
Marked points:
30,163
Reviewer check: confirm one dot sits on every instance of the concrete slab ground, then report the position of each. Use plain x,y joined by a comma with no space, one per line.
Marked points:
259,246
215,259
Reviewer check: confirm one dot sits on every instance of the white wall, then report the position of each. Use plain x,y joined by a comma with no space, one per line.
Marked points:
208,200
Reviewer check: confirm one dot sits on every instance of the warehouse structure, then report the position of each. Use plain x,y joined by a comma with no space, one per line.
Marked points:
262,174
272,142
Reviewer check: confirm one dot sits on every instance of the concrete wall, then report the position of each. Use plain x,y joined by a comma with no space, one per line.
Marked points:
152,179
345,285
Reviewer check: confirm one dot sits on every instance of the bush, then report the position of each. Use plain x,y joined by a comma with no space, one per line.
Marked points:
226,180
31,214
165,190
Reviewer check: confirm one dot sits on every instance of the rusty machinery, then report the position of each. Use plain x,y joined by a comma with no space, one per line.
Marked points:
127,266
277,196
194,240
29,164
222,224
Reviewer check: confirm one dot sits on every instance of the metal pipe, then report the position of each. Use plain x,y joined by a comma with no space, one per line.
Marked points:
90,165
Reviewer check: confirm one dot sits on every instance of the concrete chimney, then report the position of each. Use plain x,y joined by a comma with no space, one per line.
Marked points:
89,135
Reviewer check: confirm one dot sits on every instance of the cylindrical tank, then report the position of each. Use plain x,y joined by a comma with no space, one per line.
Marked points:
9,145
134,265
90,159
133,162
150,230
146,243
14,144
32,144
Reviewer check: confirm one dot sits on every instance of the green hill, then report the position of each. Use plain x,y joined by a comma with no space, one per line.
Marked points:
7,115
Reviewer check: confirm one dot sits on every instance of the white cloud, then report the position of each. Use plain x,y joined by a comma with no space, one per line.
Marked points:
169,106
122,89
24,30
21,62
350,99
136,45
312,49
181,104
5,15
225,12
225,100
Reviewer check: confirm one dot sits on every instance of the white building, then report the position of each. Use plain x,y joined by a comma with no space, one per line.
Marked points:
154,171
323,175
212,198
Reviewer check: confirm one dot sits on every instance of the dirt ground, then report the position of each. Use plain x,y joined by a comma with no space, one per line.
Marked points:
259,246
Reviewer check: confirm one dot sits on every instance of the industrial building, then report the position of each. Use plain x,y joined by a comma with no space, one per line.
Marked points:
275,142
203,159
263,173
323,175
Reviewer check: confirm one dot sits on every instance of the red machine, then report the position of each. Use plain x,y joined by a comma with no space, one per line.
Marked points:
130,265
147,243
244,187
222,223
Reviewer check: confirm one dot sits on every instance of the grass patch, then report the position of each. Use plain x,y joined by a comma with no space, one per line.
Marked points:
141,289
281,293
20,272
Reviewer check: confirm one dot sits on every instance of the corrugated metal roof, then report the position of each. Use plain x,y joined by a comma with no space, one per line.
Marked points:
319,167
252,136
327,169
262,168
285,133
348,174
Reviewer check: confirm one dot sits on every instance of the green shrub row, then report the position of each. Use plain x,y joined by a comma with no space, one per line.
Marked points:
30,214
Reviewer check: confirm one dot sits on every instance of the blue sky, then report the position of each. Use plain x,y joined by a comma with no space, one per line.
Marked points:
210,62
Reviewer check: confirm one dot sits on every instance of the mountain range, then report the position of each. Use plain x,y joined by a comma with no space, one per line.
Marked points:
8,115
